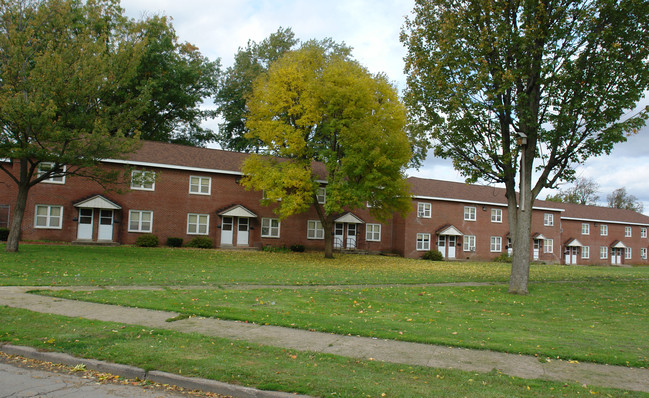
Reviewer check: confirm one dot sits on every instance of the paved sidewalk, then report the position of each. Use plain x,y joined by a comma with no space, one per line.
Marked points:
350,346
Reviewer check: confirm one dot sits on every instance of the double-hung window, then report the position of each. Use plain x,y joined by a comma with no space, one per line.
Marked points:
643,253
469,213
585,229
143,180
548,246
373,232
603,252
643,232
496,244
423,210
627,253
200,185
627,232
469,243
322,195
496,215
423,242
603,230
56,178
48,216
548,219
270,227
140,221
198,224
585,252
314,230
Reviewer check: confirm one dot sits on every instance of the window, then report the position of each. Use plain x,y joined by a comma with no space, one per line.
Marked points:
496,244
643,253
627,253
322,195
585,252
548,219
496,215
469,243
44,167
627,232
603,230
373,232
423,210
270,227
585,229
603,252
140,221
200,185
198,224
48,216
314,230
423,242
548,245
643,232
143,180
469,213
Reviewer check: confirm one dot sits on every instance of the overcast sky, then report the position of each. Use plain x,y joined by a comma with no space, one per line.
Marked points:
220,27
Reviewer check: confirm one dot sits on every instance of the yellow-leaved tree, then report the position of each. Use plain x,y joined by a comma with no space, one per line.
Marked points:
327,123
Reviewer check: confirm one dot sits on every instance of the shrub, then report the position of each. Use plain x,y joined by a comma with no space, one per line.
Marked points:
433,255
4,234
503,258
201,242
276,249
147,240
174,242
297,248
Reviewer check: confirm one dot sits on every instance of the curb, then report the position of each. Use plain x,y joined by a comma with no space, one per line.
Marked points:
132,372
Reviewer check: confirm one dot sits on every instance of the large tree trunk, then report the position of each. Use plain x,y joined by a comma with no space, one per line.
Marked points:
17,220
520,235
329,239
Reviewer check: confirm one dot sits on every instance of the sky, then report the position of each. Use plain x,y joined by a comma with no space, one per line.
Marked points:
371,27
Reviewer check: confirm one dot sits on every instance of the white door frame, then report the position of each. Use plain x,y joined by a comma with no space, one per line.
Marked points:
351,236
451,241
85,228
339,235
105,230
537,247
441,244
227,227
243,228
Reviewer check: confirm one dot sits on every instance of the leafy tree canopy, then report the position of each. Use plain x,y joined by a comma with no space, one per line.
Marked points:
316,104
620,199
583,192
507,87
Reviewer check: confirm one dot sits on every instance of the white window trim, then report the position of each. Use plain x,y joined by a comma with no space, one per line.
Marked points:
270,227
424,210
585,228
321,194
499,215
628,253
198,224
51,180
466,246
643,253
643,232
470,213
141,187
369,236
140,230
548,219
315,229
425,242
603,252
585,252
628,232
496,244
548,243
603,230
48,217
200,185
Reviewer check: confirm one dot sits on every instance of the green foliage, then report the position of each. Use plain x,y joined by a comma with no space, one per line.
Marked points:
174,242
236,85
297,248
147,240
276,249
620,199
4,233
201,242
433,255
503,258
179,78
583,192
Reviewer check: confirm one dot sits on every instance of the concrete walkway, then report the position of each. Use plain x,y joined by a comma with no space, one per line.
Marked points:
350,346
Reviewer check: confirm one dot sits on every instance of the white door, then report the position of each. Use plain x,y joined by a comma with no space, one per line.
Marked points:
574,255
105,225
441,245
226,230
451,246
537,246
339,235
86,217
351,236
616,257
242,231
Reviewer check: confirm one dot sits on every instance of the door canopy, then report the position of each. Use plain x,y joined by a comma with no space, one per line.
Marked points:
449,230
237,211
618,245
538,237
349,218
573,243
97,202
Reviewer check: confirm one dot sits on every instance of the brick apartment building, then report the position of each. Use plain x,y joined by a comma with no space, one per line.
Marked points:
190,192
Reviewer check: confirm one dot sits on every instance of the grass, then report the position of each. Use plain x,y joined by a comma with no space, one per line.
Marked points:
570,321
266,367
51,265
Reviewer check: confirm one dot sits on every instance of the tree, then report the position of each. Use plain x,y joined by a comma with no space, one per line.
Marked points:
236,85
315,104
510,87
620,199
583,192
61,62
179,78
